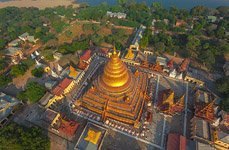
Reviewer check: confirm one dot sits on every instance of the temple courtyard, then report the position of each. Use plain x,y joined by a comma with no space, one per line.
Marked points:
150,135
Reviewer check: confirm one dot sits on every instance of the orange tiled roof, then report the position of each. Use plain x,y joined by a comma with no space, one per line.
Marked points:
82,65
65,83
73,73
86,55
69,127
58,90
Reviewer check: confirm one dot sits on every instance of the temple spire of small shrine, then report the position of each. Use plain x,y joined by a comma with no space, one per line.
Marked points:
114,50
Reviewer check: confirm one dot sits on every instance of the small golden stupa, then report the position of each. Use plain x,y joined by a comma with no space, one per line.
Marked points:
116,93
93,136
130,54
72,72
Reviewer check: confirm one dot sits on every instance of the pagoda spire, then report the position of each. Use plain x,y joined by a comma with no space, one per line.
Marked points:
114,50
206,111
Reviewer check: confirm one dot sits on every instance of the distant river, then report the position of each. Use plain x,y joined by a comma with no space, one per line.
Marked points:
188,4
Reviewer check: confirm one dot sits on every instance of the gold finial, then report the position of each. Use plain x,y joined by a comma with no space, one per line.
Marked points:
115,51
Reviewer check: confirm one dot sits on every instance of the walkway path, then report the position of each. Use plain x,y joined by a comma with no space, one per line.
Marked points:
163,132
157,88
186,110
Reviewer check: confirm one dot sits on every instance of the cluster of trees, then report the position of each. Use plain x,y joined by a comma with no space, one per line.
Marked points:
91,26
222,86
2,64
15,137
38,72
4,80
118,37
44,24
187,45
21,68
32,93
81,44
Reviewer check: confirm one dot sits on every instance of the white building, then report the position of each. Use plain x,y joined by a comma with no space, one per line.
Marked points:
118,15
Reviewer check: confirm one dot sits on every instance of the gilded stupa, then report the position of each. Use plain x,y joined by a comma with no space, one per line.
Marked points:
116,78
117,93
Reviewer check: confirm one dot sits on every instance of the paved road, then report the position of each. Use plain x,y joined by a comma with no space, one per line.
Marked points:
157,88
186,110
163,132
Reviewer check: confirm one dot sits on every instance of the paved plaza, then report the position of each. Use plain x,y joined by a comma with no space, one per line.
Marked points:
149,136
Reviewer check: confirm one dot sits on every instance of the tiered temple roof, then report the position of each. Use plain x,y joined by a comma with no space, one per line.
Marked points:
204,105
117,93
205,111
168,104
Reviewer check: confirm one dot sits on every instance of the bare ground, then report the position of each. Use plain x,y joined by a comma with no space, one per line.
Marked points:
41,4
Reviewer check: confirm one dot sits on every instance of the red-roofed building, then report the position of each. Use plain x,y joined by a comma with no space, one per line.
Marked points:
104,50
68,127
57,91
86,56
64,87
180,23
170,63
65,83
176,142
184,65
85,59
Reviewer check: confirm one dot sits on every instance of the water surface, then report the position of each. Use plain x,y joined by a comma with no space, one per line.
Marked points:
188,4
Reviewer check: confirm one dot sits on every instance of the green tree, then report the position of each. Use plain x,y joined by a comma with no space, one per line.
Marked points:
160,46
224,10
156,6
208,58
122,2
192,44
222,85
224,104
144,42
18,70
33,92
198,11
16,137
2,64
160,25
38,72
220,32
4,80
2,43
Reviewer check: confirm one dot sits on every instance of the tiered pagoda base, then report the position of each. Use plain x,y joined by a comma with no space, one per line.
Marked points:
124,105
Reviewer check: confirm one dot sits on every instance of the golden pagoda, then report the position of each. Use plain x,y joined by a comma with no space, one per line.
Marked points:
116,77
117,93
